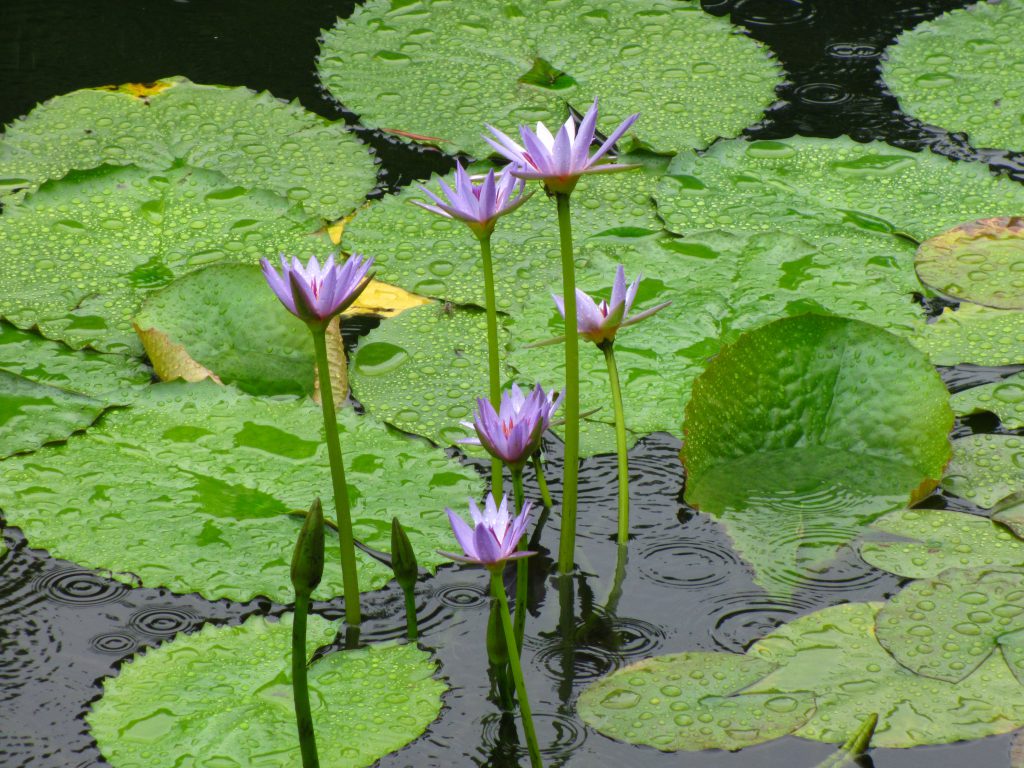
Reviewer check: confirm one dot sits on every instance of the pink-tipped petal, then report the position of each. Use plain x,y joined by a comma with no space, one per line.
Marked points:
559,303
645,314
463,533
584,137
486,546
615,136
619,286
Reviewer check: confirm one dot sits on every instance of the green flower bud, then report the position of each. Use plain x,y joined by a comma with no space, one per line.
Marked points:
403,559
308,558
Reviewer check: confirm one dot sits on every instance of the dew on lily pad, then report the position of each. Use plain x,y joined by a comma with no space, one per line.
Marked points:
986,468
1003,398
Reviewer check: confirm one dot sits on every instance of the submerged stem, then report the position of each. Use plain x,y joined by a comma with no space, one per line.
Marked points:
493,357
300,686
542,483
411,626
567,543
498,590
620,440
522,566
349,574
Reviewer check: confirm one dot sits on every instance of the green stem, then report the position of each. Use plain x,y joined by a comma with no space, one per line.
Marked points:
522,566
493,357
349,575
545,494
411,627
498,590
567,543
300,686
611,606
620,440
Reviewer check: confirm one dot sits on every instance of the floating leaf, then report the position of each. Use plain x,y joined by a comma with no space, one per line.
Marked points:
948,626
986,468
33,414
211,475
980,261
960,71
79,255
934,540
802,183
830,423
1003,398
692,701
252,138
974,334
834,653
223,696
1010,512
432,68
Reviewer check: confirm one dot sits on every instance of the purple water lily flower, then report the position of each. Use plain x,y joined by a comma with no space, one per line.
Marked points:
513,432
559,160
478,205
600,321
316,293
494,536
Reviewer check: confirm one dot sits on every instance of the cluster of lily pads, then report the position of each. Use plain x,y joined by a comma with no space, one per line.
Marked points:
795,351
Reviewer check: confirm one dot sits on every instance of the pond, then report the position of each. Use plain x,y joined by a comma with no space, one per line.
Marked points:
762,555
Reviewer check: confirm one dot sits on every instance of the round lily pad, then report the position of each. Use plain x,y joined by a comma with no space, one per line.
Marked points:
933,540
1010,512
33,414
974,334
962,71
223,696
211,475
692,701
948,626
834,653
253,139
79,255
1003,398
432,69
806,429
980,261
986,468
802,183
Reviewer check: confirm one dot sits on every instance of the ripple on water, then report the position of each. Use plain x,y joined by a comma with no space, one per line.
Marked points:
461,595
78,586
772,13
688,563
115,643
164,622
741,618
557,735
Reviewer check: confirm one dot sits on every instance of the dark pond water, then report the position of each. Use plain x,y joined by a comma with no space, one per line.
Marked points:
63,628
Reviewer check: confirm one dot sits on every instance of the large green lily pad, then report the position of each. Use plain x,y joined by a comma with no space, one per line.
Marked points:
806,429
931,541
834,653
948,626
692,701
432,68
79,255
211,475
1003,398
223,696
962,71
974,334
33,414
253,139
986,468
802,183
980,261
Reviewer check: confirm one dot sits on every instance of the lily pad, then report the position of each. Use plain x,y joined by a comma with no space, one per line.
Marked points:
948,626
933,540
1010,512
974,334
801,183
986,468
1003,398
834,653
692,701
251,138
81,254
223,696
33,414
211,476
980,261
830,423
961,71
432,68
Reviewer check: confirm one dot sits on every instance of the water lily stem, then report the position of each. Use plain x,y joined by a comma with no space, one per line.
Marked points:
522,566
498,590
411,627
349,575
620,440
300,686
542,483
567,543
493,356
